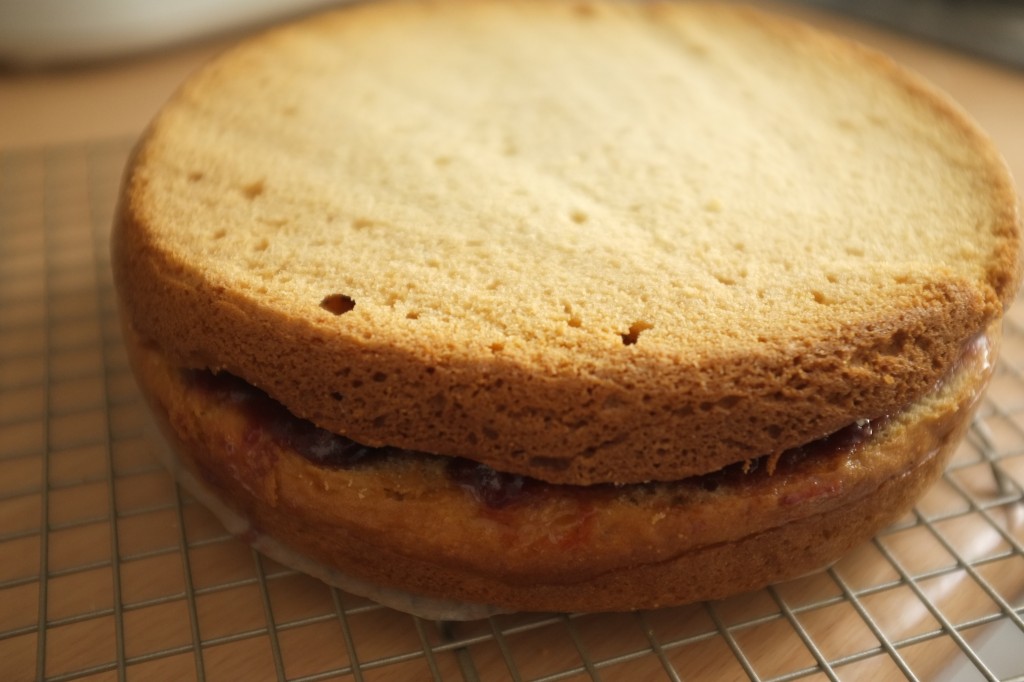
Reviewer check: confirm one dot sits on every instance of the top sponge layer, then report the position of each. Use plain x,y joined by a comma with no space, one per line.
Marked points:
589,241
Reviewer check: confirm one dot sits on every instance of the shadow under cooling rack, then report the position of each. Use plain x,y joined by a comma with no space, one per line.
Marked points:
108,571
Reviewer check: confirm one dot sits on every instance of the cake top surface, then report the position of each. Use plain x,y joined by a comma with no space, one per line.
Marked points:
554,233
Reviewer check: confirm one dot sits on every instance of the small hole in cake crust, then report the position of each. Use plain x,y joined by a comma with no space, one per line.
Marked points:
578,217
584,10
195,176
820,297
337,395
338,304
253,189
574,320
635,329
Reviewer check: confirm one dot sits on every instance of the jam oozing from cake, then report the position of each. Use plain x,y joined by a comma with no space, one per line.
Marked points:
493,489
836,444
842,441
496,489
264,413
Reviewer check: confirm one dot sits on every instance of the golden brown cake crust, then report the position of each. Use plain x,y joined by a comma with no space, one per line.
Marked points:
404,523
604,312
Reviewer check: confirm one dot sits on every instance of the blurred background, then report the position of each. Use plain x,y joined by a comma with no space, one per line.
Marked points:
47,32
74,68
988,28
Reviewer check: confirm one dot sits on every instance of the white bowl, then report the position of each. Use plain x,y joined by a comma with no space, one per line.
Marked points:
48,32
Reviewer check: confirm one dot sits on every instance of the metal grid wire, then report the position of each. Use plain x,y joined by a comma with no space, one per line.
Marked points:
108,571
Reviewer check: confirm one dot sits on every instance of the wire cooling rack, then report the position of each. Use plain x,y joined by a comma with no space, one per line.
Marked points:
108,571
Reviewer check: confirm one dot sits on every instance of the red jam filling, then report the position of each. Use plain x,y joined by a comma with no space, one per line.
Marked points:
492,488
